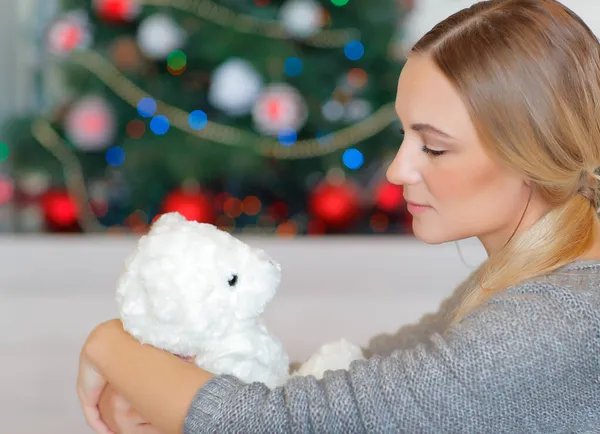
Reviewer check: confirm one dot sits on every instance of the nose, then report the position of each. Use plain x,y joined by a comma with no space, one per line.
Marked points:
404,168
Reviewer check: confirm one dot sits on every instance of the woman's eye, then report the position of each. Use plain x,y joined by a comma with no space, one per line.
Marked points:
233,280
432,152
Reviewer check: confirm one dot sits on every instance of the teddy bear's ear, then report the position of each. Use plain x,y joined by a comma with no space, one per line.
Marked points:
168,221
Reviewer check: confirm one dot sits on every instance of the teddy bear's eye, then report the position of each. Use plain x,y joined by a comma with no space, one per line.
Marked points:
233,280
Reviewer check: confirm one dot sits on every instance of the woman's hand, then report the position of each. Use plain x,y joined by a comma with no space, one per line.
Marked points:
90,385
158,385
120,416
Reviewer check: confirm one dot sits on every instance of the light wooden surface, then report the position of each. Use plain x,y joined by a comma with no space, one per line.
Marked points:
56,289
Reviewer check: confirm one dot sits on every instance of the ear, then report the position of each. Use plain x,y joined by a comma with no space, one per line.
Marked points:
168,220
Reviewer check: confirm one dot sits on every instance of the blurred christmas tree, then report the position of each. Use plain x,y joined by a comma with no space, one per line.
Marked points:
250,114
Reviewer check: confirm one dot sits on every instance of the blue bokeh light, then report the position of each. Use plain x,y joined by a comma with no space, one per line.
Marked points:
353,158
354,50
115,156
293,66
197,119
159,125
287,137
146,107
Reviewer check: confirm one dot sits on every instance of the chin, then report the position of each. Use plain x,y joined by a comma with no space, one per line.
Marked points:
432,237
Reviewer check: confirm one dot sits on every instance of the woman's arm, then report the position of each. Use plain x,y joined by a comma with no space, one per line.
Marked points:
159,385
522,362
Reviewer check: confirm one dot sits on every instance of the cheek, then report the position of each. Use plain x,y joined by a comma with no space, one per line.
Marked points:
449,186
465,195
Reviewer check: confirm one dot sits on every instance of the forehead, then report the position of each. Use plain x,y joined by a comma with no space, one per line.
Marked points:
426,95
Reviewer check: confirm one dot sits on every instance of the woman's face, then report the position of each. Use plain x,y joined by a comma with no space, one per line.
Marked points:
466,193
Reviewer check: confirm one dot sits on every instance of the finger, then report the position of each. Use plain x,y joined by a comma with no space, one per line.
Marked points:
92,416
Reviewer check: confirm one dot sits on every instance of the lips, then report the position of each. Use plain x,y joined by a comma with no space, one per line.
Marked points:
416,204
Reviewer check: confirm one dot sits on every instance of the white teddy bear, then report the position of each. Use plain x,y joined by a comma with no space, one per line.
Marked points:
197,291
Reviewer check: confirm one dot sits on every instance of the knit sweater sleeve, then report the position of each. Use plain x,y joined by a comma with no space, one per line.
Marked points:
524,361
410,335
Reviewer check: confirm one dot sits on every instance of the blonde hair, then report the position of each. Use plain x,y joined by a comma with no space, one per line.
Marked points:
528,72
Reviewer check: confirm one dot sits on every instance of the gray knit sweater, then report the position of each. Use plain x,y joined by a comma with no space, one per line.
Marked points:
526,361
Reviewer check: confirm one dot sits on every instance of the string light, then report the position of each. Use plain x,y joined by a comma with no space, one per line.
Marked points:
210,11
233,136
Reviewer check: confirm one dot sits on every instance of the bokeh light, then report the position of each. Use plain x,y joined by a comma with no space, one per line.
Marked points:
287,229
99,207
146,107
353,158
379,222
357,78
225,223
325,17
251,205
354,50
7,190
4,151
135,129
287,137
293,66
232,207
159,125
278,211
197,119
339,2
115,156
176,62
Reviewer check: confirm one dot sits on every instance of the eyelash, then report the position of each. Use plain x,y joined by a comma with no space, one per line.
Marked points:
426,149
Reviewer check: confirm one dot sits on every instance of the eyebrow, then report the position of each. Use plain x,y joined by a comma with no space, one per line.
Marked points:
430,129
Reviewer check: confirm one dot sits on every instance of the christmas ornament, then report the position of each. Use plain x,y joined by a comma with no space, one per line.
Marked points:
332,110
68,33
337,205
158,35
192,204
59,209
301,18
90,124
117,10
235,86
279,108
389,197
357,110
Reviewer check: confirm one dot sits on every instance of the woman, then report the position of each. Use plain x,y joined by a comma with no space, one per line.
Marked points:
500,106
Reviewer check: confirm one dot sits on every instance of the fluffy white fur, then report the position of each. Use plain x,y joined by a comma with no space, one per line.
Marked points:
330,357
194,290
